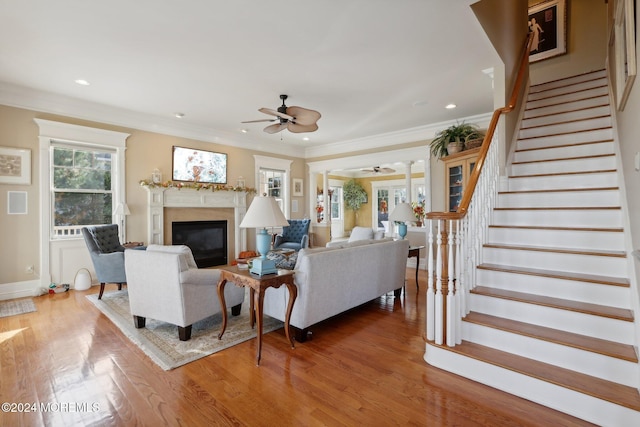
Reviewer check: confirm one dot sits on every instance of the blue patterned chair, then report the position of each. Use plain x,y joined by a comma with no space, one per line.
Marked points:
107,254
295,236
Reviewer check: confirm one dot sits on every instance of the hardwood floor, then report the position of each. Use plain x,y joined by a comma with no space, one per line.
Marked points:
364,367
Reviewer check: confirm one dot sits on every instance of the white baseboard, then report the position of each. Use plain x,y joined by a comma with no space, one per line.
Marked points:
29,288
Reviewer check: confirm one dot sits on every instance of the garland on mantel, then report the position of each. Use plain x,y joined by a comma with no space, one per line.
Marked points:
196,186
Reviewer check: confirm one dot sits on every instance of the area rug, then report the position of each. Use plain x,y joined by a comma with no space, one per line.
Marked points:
159,340
19,306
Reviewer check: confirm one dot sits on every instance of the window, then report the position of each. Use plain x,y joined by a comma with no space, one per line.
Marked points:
336,203
271,184
272,178
81,188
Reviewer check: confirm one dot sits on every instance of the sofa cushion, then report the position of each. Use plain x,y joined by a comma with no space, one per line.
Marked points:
361,233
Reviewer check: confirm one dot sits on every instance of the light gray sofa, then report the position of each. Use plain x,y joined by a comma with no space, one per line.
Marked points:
333,280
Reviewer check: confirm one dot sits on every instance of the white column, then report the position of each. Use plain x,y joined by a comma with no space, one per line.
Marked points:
326,219
407,177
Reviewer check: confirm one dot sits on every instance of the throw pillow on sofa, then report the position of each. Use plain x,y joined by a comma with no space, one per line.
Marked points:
283,261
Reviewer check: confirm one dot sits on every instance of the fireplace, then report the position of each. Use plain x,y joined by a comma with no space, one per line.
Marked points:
206,239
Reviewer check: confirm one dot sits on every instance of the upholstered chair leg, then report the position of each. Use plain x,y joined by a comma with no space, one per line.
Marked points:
184,333
101,290
139,321
235,310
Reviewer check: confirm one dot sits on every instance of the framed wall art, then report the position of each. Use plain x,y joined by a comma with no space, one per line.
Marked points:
202,166
297,187
15,165
548,23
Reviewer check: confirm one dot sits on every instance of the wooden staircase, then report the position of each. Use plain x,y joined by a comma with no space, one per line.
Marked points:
551,316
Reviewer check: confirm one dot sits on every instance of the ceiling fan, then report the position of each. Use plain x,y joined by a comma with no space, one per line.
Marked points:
378,169
295,119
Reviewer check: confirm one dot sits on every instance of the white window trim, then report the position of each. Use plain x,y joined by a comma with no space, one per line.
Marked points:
50,131
274,163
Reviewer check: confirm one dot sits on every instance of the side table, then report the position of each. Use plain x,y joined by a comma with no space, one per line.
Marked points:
257,286
414,251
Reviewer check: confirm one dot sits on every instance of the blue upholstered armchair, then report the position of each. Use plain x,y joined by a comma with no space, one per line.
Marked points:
295,236
107,254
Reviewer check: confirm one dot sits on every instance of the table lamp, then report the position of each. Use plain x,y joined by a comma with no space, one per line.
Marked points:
121,211
262,213
403,213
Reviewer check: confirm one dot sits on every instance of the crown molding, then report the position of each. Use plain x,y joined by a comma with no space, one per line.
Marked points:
47,102
421,133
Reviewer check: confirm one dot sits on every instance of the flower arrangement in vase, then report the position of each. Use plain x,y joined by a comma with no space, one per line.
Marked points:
419,212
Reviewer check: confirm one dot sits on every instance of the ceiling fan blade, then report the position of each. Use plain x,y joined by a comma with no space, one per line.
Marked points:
387,170
275,128
296,128
275,113
261,120
303,116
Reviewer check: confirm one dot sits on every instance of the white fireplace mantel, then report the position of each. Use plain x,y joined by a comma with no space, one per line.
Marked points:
161,197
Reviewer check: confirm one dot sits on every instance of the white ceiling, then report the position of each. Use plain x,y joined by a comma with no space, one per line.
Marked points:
371,67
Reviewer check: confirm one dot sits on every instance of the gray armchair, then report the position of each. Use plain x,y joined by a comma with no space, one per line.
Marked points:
107,254
295,236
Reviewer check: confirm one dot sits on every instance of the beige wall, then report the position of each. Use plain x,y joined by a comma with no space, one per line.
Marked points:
145,151
20,238
586,43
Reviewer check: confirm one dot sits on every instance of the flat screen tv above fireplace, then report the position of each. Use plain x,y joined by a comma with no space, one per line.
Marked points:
206,239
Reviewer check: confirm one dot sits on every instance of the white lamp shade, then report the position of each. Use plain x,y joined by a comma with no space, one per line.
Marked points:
403,213
122,209
264,212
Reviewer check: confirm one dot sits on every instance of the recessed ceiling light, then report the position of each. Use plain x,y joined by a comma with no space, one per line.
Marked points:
244,130
82,82
178,115
450,106
306,138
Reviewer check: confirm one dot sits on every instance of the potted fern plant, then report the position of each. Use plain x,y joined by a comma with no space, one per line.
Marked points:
451,140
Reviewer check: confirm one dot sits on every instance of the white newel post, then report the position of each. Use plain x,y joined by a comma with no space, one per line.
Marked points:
160,198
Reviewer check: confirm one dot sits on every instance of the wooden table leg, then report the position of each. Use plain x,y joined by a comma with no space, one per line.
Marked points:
259,300
223,306
417,265
293,294
252,312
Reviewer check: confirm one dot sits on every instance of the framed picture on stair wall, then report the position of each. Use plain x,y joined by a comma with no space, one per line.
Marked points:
622,46
548,23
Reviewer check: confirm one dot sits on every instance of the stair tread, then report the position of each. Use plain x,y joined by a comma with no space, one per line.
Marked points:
542,227
561,159
581,277
563,173
574,110
583,119
602,389
573,92
538,85
551,147
558,208
559,190
583,342
527,138
563,304
577,251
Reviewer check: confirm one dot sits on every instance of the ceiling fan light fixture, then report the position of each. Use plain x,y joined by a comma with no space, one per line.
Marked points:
450,106
294,119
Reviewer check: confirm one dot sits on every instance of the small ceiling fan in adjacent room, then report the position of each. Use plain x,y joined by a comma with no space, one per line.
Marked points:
294,119
378,169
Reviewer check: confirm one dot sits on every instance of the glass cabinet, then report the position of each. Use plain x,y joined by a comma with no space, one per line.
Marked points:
458,168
